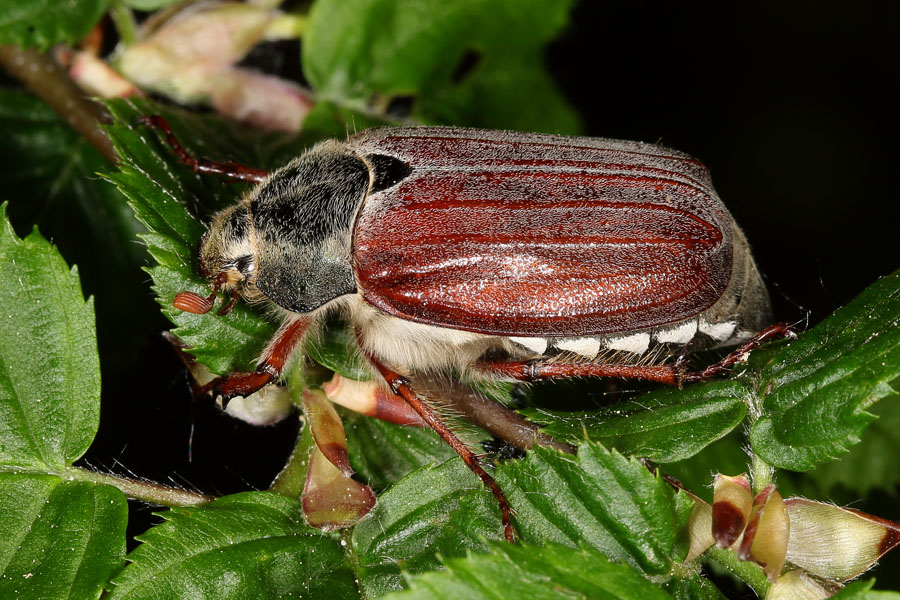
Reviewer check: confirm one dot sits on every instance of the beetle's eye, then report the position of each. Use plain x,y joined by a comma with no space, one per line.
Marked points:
388,171
244,264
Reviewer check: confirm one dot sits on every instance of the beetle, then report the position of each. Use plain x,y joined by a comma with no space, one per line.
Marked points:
485,254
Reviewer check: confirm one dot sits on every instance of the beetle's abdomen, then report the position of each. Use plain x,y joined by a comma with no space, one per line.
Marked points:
532,237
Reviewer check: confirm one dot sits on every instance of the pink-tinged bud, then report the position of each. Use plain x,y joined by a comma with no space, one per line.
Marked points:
327,429
732,502
836,543
260,100
97,78
797,585
331,499
192,303
197,41
699,529
765,539
372,399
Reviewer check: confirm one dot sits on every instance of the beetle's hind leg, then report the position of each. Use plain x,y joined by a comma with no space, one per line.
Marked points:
202,165
669,374
401,387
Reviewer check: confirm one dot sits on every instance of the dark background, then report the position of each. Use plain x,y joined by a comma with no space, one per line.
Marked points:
792,107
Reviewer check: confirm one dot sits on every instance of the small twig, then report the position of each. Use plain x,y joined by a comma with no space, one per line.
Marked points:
47,80
147,491
749,572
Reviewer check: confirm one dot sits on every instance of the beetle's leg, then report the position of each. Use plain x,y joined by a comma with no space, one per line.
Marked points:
670,374
400,386
202,165
268,369
535,370
778,330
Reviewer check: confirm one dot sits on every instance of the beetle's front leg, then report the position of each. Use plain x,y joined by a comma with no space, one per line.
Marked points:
269,368
401,387
202,165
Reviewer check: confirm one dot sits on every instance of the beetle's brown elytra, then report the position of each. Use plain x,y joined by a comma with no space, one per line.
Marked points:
460,250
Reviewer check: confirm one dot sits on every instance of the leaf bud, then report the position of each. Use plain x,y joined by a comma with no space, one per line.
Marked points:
732,503
836,543
765,539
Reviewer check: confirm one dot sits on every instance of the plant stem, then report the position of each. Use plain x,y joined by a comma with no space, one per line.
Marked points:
124,21
43,77
292,478
147,491
761,473
750,573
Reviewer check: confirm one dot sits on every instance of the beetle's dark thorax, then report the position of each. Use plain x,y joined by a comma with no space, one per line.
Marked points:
303,216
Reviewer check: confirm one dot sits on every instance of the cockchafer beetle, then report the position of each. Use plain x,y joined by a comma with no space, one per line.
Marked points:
488,254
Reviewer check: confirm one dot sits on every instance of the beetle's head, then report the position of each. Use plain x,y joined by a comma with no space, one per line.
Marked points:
227,259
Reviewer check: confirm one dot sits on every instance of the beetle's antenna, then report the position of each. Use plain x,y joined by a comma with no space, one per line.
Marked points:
198,305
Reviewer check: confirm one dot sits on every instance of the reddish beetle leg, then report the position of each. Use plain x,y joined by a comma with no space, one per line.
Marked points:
269,368
400,386
671,374
202,165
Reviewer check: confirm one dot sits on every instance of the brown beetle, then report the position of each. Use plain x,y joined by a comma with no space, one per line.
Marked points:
487,253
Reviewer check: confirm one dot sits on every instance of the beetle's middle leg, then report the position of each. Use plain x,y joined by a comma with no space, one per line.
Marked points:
401,387
669,374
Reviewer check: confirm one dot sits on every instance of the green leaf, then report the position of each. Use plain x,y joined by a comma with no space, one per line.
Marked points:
58,539
49,368
665,426
524,572
862,590
599,498
361,53
435,510
44,23
823,382
872,464
383,452
252,545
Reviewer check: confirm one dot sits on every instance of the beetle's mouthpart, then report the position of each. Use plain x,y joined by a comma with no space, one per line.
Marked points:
198,305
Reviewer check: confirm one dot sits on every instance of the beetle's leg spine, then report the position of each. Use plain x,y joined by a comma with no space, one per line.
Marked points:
202,165
401,387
